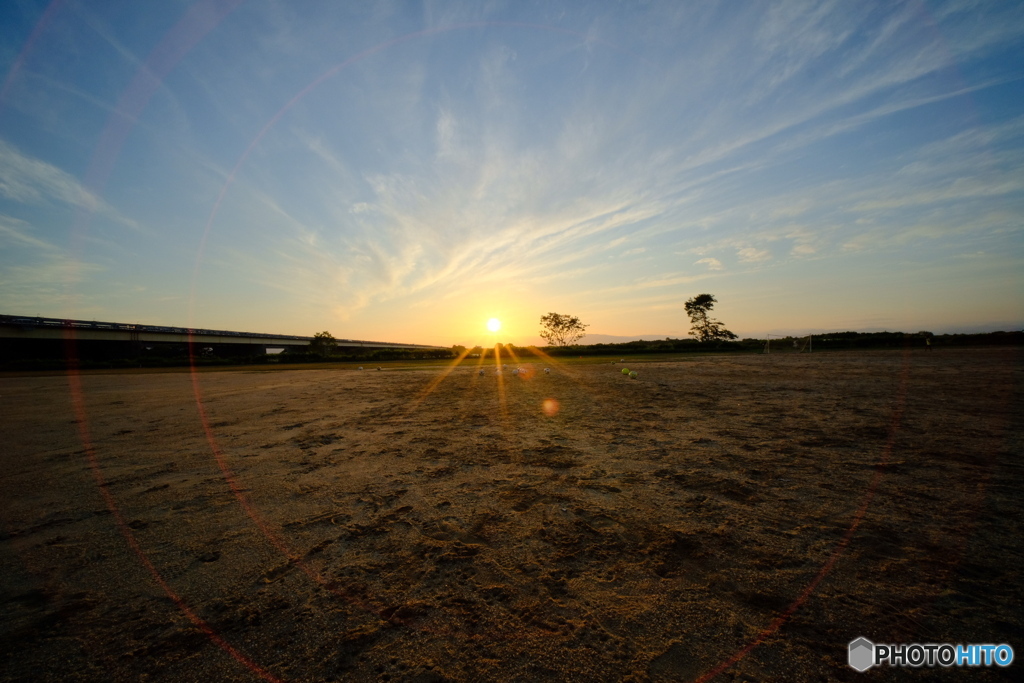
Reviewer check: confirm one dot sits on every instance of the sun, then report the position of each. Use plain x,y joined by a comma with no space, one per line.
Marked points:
493,324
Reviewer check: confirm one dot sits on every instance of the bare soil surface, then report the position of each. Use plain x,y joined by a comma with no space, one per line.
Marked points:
728,518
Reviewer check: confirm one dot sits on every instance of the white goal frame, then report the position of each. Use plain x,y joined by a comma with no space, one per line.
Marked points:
807,347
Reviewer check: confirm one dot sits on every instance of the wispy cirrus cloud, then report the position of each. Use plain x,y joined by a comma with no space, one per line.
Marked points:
37,276
27,180
16,233
753,255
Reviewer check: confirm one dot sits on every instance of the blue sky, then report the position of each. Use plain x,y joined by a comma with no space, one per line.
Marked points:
405,171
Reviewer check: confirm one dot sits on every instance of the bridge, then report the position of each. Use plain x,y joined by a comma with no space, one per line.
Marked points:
20,335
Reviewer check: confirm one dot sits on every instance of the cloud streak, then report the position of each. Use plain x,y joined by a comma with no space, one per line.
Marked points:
27,180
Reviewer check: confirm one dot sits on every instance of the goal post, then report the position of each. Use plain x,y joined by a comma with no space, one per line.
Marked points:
801,344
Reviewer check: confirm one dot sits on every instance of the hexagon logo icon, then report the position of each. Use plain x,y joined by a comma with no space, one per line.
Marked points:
862,654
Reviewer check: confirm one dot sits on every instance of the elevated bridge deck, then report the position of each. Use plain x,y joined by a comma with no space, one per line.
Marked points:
23,328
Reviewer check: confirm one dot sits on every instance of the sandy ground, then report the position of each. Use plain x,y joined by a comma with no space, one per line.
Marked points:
743,517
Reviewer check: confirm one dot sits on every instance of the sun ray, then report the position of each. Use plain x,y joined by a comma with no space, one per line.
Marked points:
434,384
564,367
501,382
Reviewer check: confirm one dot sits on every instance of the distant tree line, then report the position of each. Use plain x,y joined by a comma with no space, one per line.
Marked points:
824,341
356,353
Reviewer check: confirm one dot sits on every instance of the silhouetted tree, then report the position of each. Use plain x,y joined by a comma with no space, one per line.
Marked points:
323,344
561,330
705,328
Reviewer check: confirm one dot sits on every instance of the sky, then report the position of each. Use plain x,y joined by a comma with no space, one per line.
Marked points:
406,171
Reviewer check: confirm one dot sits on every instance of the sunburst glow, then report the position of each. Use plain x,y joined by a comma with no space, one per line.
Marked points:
493,324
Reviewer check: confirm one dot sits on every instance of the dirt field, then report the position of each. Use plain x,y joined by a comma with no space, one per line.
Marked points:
734,517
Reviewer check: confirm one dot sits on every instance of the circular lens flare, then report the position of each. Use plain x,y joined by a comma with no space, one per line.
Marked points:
493,324
550,407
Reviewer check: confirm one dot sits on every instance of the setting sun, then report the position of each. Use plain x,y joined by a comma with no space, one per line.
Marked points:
493,324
